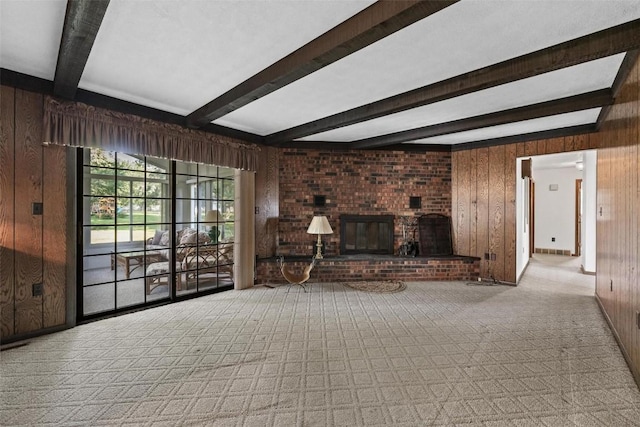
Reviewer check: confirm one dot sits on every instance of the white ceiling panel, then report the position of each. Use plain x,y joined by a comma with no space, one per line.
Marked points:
528,126
569,81
179,55
31,33
465,36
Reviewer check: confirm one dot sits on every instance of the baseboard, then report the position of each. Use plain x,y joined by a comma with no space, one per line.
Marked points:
564,252
634,371
583,271
20,340
523,271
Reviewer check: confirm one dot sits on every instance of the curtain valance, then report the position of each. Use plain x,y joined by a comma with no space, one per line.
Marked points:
81,125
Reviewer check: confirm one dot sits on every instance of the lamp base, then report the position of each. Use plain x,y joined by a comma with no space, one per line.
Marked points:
318,250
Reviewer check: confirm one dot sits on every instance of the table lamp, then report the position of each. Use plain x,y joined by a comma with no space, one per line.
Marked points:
319,225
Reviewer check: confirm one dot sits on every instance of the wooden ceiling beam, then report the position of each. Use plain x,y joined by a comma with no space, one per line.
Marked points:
627,65
81,24
374,23
593,46
598,98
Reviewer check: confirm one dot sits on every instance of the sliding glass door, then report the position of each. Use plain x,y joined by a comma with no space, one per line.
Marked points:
152,230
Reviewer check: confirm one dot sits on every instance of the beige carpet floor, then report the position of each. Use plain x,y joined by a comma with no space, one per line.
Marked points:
437,353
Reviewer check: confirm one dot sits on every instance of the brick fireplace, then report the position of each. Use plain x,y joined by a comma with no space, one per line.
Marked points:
376,182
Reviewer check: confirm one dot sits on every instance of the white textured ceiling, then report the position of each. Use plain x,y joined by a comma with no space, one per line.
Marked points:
528,126
30,34
177,55
558,84
463,37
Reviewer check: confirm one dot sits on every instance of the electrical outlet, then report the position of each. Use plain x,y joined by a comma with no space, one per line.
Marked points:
493,257
553,239
36,289
37,208
257,210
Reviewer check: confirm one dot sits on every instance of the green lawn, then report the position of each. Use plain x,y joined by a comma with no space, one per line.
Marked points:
124,219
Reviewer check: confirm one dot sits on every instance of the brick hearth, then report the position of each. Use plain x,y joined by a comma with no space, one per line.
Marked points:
374,267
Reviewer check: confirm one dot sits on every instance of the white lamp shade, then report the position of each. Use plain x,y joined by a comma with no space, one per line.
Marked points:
212,216
319,225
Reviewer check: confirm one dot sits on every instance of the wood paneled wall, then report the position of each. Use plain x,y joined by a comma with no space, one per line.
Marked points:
483,209
267,203
32,247
618,218
484,199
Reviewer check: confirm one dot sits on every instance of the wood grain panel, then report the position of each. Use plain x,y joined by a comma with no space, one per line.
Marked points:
595,140
54,236
636,230
455,190
7,219
510,214
483,208
473,199
462,247
28,188
520,149
618,228
531,148
267,203
554,145
576,143
497,209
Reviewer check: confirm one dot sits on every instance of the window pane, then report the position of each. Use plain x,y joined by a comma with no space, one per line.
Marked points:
227,211
130,211
208,170
128,161
185,210
125,174
102,187
157,190
186,168
99,298
227,189
158,211
130,292
102,210
98,269
98,171
155,164
101,238
227,232
102,158
226,173
154,177
133,234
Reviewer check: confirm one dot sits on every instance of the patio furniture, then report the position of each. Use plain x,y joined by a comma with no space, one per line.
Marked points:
158,274
213,261
132,260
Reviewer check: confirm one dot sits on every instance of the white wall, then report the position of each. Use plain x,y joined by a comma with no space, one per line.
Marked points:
589,211
555,210
522,228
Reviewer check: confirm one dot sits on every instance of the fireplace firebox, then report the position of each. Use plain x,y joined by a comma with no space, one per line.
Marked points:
366,234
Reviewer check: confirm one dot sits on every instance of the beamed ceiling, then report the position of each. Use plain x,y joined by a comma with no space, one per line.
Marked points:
416,75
